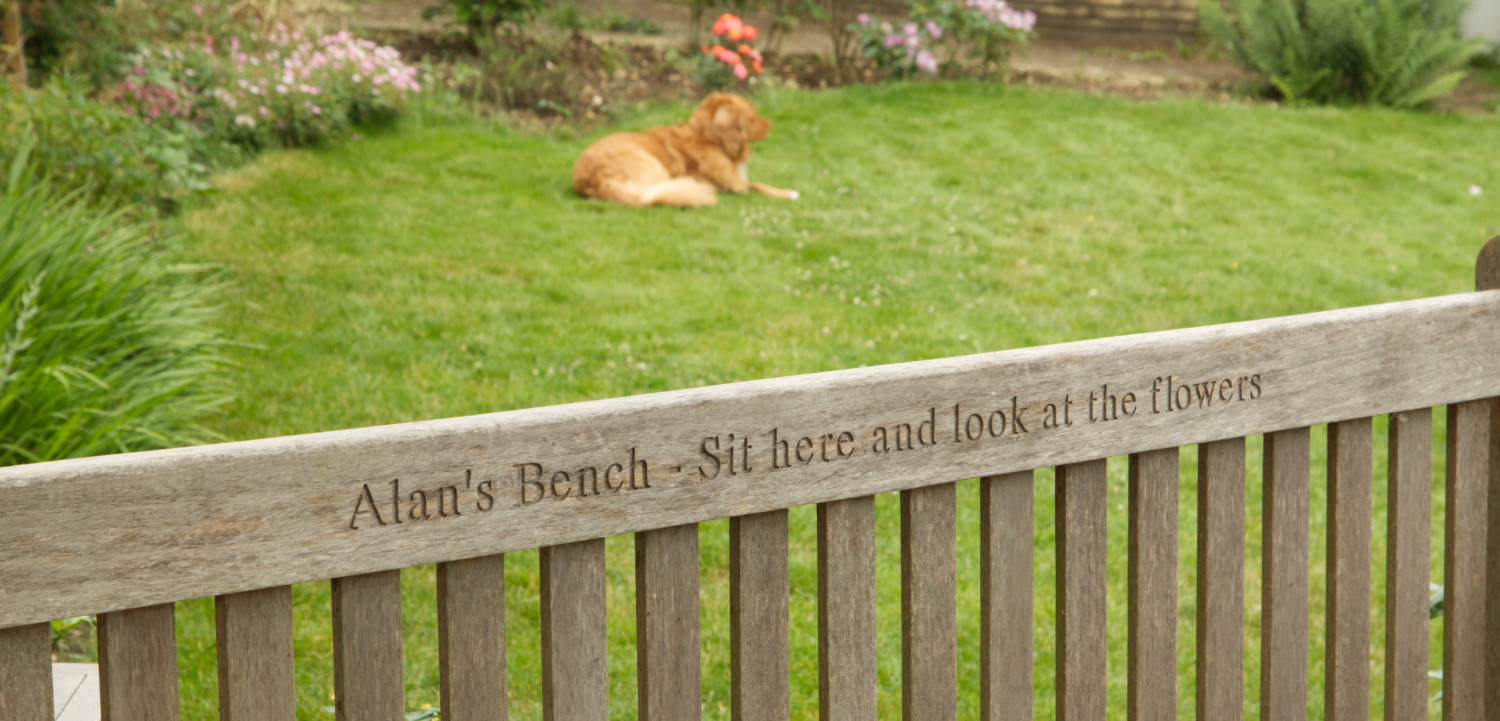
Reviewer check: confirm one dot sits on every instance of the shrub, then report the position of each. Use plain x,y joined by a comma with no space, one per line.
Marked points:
101,149
104,342
1400,53
484,17
935,37
719,67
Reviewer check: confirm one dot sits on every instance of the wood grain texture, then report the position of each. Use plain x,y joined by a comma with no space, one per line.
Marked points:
1006,578
667,624
255,514
1487,277
1082,545
1408,573
759,618
1284,576
471,638
367,678
1151,693
26,673
929,604
138,664
1221,581
253,632
575,661
1346,684
846,610
1467,474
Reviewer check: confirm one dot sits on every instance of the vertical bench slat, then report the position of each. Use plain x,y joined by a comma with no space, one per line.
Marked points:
759,631
1152,676
1284,576
1467,473
471,638
1221,580
1082,543
26,673
1346,691
929,598
253,632
1407,565
367,680
1492,560
575,661
1006,540
138,664
846,610
667,624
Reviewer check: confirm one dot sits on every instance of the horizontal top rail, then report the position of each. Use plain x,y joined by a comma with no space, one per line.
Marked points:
99,534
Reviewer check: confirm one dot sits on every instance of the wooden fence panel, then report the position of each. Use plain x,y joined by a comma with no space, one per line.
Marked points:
1408,571
138,664
667,624
759,630
1284,576
1346,674
1221,580
575,661
367,678
253,632
471,638
1082,502
847,675
1152,674
26,673
929,611
1006,541
1467,473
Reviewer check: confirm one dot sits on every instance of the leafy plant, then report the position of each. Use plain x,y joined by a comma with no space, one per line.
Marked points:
731,61
105,343
483,17
982,31
1399,53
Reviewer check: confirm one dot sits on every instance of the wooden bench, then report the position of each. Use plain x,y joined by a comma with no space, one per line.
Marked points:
242,521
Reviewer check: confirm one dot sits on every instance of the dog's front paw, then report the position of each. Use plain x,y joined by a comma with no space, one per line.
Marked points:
793,195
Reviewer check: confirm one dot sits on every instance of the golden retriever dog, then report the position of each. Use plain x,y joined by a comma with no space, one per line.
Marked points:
685,165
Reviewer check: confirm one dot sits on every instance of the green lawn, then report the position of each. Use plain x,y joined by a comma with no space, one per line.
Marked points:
448,269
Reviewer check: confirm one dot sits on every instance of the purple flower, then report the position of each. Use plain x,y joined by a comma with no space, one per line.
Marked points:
892,41
927,63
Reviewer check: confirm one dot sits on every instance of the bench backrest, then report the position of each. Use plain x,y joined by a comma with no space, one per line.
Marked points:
126,536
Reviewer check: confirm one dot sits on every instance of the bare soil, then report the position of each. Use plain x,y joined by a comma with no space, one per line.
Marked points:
1129,67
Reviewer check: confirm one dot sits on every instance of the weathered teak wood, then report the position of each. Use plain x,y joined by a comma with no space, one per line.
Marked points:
1467,473
1006,538
367,680
929,610
138,664
846,610
1152,666
1283,643
1408,538
667,624
240,516
1082,503
253,632
1487,277
26,673
471,638
1221,580
759,631
575,662
1346,688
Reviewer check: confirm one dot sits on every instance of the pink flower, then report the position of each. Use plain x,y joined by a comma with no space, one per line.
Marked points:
909,29
933,29
740,71
317,110
927,63
264,111
863,18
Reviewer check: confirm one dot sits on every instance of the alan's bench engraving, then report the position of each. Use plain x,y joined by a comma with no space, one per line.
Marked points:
720,456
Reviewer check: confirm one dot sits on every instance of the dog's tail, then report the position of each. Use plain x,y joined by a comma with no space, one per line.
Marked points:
683,191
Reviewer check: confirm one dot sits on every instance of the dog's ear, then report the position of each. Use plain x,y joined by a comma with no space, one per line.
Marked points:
728,129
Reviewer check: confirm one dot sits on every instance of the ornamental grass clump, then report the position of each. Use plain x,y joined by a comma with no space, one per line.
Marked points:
105,343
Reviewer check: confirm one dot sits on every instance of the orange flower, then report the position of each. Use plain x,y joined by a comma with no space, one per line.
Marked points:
749,33
743,49
736,32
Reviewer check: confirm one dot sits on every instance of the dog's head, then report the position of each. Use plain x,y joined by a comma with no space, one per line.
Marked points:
730,122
